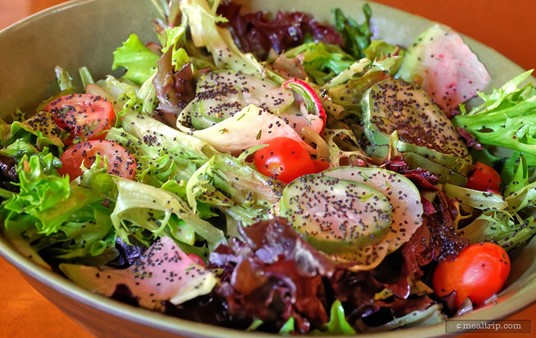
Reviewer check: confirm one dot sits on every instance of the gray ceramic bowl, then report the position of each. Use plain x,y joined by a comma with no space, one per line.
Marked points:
85,33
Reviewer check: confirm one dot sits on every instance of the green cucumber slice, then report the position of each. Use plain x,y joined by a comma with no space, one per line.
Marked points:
403,196
335,215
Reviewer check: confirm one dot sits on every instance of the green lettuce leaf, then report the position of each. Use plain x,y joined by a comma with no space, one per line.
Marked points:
321,62
337,325
54,217
40,129
206,179
507,118
139,61
143,207
356,36
513,226
203,21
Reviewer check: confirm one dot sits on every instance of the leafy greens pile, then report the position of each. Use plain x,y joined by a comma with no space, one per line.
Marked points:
216,205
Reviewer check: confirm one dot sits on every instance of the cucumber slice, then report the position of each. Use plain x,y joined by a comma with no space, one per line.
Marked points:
335,215
221,94
403,195
393,105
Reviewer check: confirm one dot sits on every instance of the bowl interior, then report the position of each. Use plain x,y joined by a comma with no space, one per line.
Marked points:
85,33
70,35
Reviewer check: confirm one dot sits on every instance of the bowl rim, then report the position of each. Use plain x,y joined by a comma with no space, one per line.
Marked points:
514,303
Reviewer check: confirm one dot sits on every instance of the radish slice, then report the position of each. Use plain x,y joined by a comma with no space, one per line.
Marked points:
310,97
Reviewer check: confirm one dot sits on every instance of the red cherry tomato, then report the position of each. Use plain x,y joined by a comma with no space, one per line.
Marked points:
284,159
83,116
197,259
320,165
120,161
478,272
484,178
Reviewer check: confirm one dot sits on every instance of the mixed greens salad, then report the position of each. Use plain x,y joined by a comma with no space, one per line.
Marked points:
270,172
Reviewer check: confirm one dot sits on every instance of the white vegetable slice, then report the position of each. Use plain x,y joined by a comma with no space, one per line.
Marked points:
164,273
445,67
250,127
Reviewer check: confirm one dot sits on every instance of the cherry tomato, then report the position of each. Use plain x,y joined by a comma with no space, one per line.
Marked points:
120,161
197,259
83,116
484,178
320,165
284,159
478,272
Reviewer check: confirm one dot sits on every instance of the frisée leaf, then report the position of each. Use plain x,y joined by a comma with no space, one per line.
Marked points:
507,118
513,225
65,220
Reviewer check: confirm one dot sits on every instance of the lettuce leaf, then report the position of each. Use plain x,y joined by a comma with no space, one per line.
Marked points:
58,219
259,32
206,179
321,61
203,22
139,61
512,226
143,207
507,118
356,37
337,325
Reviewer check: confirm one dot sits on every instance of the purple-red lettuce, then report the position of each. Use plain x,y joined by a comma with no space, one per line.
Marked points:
271,277
257,32
174,89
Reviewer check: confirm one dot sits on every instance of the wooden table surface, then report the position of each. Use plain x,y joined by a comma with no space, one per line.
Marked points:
506,26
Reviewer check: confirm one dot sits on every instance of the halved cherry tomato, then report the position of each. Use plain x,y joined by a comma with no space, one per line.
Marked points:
83,116
120,161
197,259
484,178
478,272
284,159
320,165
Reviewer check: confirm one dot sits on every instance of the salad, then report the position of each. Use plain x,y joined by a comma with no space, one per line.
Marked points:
271,172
